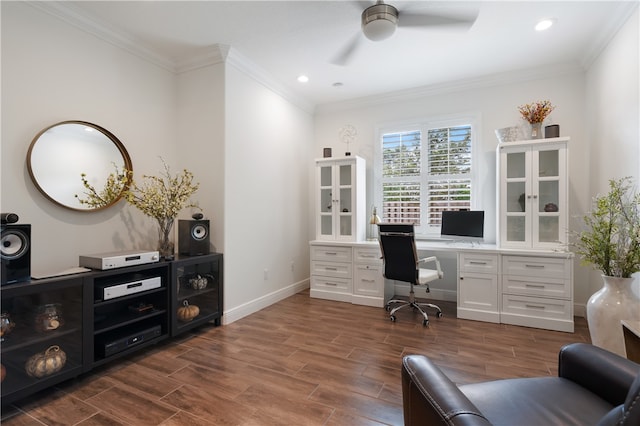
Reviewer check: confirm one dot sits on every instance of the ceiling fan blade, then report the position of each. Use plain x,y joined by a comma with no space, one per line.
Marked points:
406,19
346,53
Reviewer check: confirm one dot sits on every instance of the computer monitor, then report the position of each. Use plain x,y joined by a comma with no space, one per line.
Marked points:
465,225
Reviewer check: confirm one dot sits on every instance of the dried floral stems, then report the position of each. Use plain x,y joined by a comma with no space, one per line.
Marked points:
536,112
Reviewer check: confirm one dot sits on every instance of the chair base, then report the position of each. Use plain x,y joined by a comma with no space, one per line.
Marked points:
413,304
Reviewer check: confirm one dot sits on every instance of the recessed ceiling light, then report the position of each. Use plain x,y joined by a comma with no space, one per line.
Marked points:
545,24
337,84
303,78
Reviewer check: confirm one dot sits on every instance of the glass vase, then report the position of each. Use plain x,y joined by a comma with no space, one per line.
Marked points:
536,130
165,241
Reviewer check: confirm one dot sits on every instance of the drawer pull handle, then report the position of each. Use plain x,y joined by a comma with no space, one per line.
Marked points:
534,266
368,256
331,253
534,285
534,306
330,269
475,262
333,284
368,281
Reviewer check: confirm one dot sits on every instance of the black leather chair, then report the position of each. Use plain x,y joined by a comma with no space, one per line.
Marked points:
401,263
593,387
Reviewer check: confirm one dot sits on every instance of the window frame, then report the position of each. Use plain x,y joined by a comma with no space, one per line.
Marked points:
423,125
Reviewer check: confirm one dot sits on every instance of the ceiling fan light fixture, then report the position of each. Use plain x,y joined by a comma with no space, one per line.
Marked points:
379,21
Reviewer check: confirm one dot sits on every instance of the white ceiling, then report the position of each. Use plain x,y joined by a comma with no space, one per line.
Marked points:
288,38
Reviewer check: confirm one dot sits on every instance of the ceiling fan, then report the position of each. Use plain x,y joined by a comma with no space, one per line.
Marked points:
380,20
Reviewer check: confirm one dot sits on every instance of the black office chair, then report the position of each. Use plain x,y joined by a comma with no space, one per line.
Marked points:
401,263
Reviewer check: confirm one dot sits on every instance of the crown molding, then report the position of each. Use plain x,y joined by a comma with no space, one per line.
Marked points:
215,54
69,13
623,13
491,80
248,67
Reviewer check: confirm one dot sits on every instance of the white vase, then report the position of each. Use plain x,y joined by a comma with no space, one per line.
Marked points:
614,302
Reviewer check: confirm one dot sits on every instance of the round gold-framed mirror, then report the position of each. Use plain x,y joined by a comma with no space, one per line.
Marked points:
65,154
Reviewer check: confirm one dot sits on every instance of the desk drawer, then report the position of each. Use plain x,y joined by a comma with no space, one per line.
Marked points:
367,255
331,253
526,306
535,286
531,266
331,284
331,269
476,262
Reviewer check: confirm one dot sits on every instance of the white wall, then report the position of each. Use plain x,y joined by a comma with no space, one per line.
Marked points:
613,118
495,101
247,146
267,219
52,72
200,142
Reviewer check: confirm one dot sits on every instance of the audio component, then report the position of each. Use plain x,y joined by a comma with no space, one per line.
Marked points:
113,290
118,259
110,345
193,237
15,253
8,218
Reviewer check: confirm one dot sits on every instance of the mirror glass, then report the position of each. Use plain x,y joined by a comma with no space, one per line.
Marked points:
60,154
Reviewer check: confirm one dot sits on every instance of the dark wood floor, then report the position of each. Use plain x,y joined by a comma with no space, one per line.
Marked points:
301,361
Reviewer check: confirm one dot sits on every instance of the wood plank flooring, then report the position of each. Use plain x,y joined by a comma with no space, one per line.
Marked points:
301,361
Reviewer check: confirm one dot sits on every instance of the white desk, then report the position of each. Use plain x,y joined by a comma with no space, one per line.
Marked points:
531,288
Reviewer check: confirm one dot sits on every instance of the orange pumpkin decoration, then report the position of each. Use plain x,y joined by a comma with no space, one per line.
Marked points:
187,312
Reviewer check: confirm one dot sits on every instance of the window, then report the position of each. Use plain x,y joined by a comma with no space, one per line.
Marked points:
425,170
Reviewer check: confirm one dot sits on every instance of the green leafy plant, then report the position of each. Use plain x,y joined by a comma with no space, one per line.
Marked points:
611,240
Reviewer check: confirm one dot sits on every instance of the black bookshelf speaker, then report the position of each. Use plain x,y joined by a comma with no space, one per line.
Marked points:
15,253
193,237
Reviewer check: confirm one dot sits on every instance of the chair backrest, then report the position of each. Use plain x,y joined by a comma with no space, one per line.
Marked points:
398,246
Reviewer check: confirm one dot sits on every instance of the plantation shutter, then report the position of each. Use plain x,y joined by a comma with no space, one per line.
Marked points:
417,191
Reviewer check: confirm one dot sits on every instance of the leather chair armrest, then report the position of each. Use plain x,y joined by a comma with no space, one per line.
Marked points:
604,373
430,398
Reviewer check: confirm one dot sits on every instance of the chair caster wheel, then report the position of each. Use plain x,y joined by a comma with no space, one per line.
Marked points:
387,308
425,322
392,318
439,314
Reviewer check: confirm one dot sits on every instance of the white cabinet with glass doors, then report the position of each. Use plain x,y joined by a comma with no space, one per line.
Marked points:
532,194
340,199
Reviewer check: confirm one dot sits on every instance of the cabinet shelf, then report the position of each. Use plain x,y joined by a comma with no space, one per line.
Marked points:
8,346
124,318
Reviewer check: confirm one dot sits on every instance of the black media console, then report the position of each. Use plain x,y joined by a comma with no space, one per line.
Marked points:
58,328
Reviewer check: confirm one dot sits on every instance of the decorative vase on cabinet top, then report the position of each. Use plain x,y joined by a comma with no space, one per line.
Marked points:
536,130
614,302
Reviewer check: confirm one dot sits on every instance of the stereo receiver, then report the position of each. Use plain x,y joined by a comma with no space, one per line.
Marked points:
118,259
113,290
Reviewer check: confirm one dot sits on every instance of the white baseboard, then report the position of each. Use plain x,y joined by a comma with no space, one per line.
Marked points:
255,305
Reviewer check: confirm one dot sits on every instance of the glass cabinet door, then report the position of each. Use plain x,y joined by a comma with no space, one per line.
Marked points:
516,197
533,195
326,202
345,176
41,335
547,193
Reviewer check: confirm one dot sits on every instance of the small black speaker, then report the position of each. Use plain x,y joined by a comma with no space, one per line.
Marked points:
15,253
193,237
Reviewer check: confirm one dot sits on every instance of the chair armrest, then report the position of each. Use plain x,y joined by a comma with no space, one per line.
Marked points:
603,373
429,397
436,261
